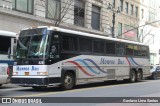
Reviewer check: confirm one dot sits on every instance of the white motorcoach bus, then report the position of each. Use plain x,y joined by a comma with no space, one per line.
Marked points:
7,46
48,56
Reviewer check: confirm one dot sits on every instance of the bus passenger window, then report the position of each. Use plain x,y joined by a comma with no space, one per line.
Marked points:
70,43
129,49
136,50
110,48
98,47
85,45
120,49
5,44
144,51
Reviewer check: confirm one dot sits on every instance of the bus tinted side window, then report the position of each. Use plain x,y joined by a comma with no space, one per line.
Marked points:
85,45
110,48
144,51
120,49
98,46
70,43
5,44
129,49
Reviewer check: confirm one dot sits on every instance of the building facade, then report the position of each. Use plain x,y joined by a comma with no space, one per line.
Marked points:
84,15
149,32
104,17
126,20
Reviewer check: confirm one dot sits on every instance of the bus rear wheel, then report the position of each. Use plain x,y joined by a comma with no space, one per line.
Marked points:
139,76
132,78
68,81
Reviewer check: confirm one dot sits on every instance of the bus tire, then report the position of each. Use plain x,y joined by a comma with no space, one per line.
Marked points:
0,84
132,78
68,81
154,76
138,76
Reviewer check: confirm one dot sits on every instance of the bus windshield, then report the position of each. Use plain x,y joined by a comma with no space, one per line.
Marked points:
32,46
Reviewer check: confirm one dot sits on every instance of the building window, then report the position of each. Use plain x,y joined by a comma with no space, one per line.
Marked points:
131,9
95,23
142,13
127,7
121,5
136,13
53,9
79,13
23,5
113,3
119,29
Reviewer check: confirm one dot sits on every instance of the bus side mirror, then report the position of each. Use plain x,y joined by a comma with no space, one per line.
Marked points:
9,52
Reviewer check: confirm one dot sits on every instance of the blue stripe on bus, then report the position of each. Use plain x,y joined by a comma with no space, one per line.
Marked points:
134,61
9,62
132,64
95,65
82,61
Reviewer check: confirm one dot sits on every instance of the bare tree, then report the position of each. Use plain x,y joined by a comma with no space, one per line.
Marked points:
65,7
141,37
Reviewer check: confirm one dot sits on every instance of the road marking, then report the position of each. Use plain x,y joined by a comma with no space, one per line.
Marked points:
10,89
83,89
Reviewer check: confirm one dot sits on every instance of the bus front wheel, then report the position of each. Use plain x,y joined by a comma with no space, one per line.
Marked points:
68,81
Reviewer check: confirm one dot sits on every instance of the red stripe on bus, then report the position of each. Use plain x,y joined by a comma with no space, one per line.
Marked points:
128,61
80,67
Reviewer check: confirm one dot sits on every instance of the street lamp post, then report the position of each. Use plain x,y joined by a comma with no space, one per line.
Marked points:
112,7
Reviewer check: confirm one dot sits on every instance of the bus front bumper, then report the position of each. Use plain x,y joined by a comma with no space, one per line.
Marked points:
35,81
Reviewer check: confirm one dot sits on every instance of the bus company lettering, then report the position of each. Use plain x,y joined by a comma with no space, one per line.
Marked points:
22,68
33,68
120,61
105,61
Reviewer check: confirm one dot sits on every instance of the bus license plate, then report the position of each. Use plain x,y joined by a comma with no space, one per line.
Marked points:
26,73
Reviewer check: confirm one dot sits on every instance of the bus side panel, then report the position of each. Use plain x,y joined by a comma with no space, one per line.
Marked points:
55,69
142,63
106,67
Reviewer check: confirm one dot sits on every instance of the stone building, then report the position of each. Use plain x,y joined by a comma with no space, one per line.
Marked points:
84,15
91,16
149,33
126,20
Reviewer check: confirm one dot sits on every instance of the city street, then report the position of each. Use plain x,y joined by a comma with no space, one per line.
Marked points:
146,88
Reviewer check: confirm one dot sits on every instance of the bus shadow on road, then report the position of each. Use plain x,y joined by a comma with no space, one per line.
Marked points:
81,86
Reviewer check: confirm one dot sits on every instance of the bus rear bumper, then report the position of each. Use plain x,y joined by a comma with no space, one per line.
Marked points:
35,81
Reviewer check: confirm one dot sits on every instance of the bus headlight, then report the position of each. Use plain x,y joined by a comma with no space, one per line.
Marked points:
15,73
42,73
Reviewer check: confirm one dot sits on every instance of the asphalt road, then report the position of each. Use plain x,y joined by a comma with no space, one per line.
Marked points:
146,88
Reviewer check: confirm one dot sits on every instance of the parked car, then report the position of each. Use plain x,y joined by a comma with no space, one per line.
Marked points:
4,71
155,71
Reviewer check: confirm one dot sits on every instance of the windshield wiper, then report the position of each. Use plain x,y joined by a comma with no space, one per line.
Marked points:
21,45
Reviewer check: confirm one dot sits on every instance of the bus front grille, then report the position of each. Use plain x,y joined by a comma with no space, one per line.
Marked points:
27,81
